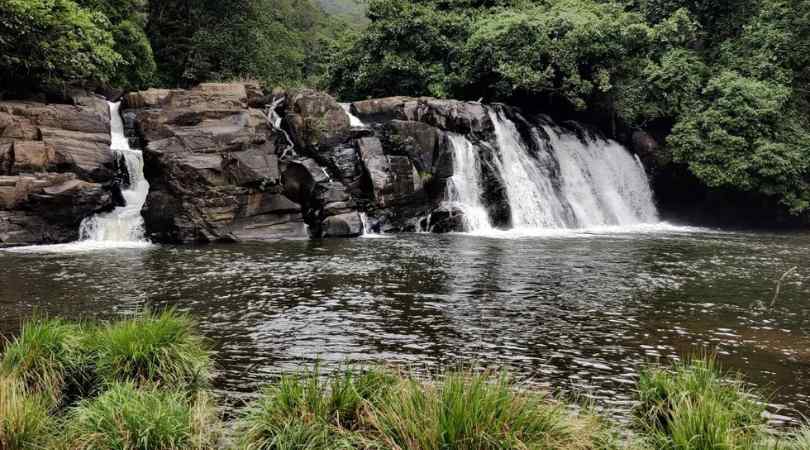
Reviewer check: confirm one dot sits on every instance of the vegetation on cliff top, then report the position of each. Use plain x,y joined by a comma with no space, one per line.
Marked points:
149,404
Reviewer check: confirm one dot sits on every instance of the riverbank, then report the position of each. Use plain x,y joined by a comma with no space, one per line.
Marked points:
144,383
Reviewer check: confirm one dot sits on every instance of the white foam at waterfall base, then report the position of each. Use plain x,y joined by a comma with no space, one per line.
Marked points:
464,190
122,227
368,232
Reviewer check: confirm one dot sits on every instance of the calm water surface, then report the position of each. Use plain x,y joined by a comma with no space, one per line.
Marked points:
580,312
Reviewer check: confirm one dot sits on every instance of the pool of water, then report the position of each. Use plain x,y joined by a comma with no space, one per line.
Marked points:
579,312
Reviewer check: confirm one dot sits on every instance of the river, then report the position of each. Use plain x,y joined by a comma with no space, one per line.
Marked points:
575,311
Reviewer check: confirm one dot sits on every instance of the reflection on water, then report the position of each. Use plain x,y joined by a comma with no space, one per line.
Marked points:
581,312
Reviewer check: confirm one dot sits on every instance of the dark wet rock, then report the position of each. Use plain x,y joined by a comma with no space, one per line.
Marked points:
47,207
344,225
63,138
445,219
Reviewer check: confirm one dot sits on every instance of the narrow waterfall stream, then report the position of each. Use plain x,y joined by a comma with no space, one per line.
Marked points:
354,121
464,191
124,223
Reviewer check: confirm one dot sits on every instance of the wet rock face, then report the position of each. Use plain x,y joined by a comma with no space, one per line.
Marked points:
56,169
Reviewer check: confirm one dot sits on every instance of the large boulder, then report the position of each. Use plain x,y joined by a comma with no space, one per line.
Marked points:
450,115
213,165
48,207
316,121
67,138
56,168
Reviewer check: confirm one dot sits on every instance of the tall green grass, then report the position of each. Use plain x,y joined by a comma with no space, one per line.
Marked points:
162,348
310,412
479,411
50,358
24,420
128,417
695,406
378,409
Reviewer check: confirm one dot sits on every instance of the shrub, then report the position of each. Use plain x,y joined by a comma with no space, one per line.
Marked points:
693,407
306,411
49,358
161,348
477,411
126,417
24,420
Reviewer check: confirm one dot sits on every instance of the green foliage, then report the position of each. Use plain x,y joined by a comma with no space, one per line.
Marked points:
744,136
137,69
408,45
126,417
51,43
279,42
694,407
50,359
24,420
571,48
153,348
377,409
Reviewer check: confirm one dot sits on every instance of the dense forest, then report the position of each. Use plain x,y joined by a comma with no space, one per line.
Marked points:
726,84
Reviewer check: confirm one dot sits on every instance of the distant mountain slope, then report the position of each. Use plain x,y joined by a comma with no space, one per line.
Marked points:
354,10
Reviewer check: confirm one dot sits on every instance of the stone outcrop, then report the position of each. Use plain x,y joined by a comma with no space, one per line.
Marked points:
56,169
212,163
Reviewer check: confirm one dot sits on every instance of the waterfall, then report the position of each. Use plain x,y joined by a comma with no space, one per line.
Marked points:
124,223
353,120
464,190
275,123
368,229
556,181
602,182
532,197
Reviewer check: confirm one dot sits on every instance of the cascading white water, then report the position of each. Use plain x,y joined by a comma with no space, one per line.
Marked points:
464,187
529,189
124,223
354,121
567,184
602,182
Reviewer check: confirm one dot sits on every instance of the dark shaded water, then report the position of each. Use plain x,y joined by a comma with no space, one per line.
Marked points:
581,312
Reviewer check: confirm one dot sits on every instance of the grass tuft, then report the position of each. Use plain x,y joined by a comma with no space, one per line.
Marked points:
49,358
128,417
154,348
695,406
310,412
24,420
476,412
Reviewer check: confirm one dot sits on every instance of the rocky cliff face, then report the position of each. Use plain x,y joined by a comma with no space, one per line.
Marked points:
224,165
56,168
222,170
